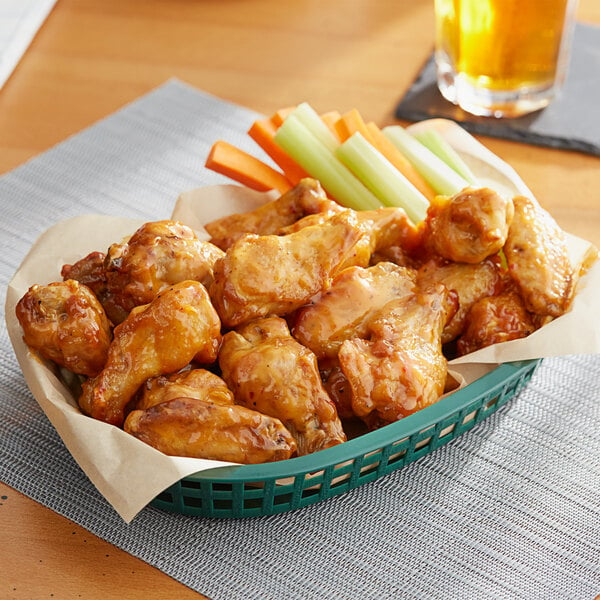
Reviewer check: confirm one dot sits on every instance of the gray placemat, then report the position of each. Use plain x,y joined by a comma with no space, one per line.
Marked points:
510,510
570,122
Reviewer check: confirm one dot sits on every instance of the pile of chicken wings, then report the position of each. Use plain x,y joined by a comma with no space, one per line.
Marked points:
294,320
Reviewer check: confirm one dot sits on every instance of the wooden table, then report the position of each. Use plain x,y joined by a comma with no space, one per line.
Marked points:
93,56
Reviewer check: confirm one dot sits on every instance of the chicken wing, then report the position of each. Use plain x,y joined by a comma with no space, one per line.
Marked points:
493,320
400,369
157,255
271,372
470,282
90,271
192,413
343,310
274,275
306,198
65,323
469,226
202,429
190,383
538,259
179,325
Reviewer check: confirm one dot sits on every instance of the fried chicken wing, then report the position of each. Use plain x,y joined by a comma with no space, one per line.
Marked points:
343,310
306,198
400,368
202,429
470,281
89,270
157,255
65,323
192,413
493,320
538,259
271,372
274,275
468,227
179,325
191,383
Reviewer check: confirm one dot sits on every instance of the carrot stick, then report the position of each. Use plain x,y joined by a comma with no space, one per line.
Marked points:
279,117
262,132
396,157
240,166
350,123
330,118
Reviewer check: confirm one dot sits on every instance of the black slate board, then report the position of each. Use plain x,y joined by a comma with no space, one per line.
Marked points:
571,121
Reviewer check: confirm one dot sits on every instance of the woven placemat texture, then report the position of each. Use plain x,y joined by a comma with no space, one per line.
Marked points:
510,510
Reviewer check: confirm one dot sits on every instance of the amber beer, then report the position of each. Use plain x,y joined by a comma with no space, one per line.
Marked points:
502,57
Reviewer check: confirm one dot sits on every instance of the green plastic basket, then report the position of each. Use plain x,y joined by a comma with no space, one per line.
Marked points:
266,489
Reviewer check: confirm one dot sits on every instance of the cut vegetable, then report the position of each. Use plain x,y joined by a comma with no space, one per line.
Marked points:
308,151
263,133
436,142
350,123
330,118
244,168
279,117
443,179
307,115
381,177
387,148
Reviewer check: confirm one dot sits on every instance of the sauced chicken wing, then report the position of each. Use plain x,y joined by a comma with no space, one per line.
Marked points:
65,323
470,282
270,371
306,198
89,270
274,275
157,255
493,320
201,429
343,311
400,368
191,383
383,227
469,226
538,259
193,414
179,325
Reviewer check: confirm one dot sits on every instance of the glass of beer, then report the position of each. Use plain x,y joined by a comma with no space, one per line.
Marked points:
502,58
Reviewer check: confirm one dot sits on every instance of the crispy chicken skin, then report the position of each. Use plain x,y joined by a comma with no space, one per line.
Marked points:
190,383
493,320
158,254
383,227
469,226
88,270
343,311
271,372
179,325
65,323
202,429
400,368
274,275
192,414
470,282
538,259
306,198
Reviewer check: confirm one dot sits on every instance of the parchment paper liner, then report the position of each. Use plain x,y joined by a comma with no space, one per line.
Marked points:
128,472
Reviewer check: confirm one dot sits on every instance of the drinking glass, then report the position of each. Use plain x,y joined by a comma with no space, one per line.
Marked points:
502,58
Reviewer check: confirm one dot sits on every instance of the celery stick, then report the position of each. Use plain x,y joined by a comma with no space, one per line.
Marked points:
433,139
308,116
382,177
310,153
437,173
